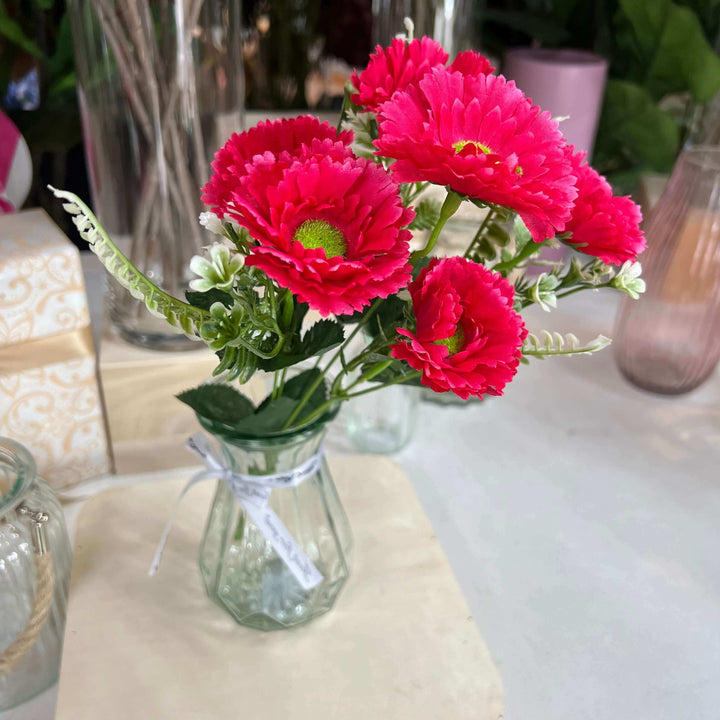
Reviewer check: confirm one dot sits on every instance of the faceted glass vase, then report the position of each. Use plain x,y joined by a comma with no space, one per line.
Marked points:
240,569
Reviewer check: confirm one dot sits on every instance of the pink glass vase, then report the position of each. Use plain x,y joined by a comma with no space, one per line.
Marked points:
668,341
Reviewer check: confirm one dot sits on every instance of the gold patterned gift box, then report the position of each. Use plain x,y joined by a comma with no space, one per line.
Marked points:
49,396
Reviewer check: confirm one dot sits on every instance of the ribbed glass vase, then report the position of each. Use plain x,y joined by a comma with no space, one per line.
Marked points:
241,570
33,588
668,341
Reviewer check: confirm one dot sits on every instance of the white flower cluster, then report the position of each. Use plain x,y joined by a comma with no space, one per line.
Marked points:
217,272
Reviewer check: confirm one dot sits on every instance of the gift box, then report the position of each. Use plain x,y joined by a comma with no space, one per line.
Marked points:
49,394
42,291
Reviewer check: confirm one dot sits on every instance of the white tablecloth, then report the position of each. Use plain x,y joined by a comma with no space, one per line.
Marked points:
582,519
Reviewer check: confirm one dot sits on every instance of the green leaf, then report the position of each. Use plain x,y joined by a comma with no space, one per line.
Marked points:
322,337
684,60
204,300
388,317
396,370
427,214
635,130
221,403
272,414
269,418
666,49
14,33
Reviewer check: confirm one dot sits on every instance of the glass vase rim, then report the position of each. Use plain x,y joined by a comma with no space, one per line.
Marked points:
18,457
233,437
705,157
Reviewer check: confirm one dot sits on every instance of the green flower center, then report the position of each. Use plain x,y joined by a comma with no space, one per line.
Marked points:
461,144
455,343
313,234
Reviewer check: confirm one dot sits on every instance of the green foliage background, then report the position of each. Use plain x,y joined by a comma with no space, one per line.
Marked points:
663,67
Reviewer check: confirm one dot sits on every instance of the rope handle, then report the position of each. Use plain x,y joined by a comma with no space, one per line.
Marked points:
44,590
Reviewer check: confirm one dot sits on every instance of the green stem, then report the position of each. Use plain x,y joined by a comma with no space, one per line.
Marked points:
451,204
341,398
490,215
529,249
314,386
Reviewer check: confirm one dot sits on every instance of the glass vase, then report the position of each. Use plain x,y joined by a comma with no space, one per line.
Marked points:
668,341
241,570
34,575
382,421
160,88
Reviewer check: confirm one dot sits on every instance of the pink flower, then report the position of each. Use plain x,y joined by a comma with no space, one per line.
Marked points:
482,137
405,63
279,142
394,68
330,230
468,338
471,63
603,225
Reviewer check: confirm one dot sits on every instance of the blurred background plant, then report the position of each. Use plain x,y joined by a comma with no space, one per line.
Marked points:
37,91
664,68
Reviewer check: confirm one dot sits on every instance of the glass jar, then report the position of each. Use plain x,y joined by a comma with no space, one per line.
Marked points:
668,341
241,570
160,88
34,574
382,421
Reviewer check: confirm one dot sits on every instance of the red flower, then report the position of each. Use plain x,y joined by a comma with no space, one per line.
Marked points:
278,142
482,137
468,337
404,63
395,67
331,231
471,63
603,225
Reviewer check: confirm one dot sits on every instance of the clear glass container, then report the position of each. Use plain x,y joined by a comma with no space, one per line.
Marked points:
241,570
668,341
33,591
382,421
450,22
160,88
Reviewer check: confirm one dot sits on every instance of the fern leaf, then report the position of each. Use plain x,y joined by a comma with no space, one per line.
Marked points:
555,344
180,316
427,214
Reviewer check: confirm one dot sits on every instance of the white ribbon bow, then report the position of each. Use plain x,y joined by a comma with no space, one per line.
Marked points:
253,493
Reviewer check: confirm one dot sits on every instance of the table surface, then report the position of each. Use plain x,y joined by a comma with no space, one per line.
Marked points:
580,517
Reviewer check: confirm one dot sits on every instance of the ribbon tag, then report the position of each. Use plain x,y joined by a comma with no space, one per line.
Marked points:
253,493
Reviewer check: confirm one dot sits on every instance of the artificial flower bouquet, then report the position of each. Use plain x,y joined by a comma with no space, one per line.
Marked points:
314,218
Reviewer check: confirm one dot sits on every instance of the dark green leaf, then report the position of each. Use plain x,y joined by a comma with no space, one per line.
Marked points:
204,300
269,418
664,48
634,130
322,337
389,316
14,33
217,402
398,369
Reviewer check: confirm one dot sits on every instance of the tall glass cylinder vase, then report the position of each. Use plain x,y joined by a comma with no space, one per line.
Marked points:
160,86
668,341
450,22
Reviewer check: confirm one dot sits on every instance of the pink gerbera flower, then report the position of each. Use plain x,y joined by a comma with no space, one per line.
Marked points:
480,135
468,338
395,67
603,225
404,63
332,231
279,142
